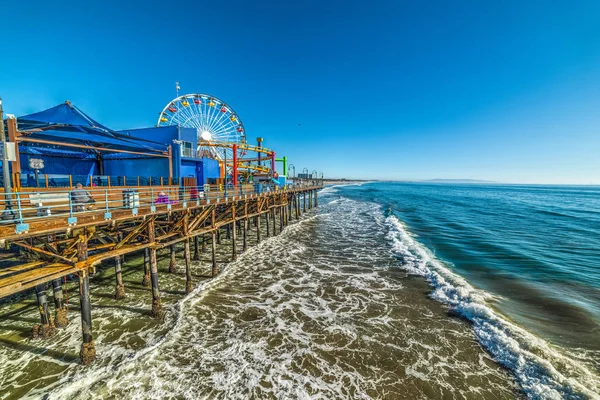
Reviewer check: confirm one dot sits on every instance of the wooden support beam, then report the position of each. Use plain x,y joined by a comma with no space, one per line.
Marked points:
234,236
60,311
120,290
157,310
87,354
215,269
146,278
44,252
186,251
172,260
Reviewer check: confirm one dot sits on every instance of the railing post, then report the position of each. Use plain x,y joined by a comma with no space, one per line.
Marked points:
107,214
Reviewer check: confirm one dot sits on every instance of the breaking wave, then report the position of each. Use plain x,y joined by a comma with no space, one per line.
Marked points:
541,369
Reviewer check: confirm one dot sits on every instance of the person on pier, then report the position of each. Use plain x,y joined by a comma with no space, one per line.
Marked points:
80,197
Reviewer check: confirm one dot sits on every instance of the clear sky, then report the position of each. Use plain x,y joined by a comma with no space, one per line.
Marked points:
496,90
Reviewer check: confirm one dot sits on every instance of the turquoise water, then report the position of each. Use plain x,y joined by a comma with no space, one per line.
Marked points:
534,251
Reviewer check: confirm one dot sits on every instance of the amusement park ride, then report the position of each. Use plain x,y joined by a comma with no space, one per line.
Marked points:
222,136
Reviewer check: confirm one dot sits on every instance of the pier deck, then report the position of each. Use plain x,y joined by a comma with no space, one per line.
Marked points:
68,242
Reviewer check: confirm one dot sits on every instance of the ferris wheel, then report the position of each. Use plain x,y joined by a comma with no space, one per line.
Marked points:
217,125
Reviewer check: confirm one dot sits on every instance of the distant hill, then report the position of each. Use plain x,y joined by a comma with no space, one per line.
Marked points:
458,181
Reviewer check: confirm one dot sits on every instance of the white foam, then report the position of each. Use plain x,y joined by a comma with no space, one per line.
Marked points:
529,358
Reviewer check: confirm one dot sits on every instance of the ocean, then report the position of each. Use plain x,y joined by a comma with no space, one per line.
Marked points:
385,291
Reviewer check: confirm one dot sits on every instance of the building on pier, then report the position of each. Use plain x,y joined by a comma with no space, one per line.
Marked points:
65,146
192,166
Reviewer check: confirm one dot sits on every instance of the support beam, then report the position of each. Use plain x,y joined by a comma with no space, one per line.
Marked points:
274,213
87,354
215,269
186,254
146,278
267,222
46,328
60,311
172,261
245,233
196,249
257,221
120,289
233,235
157,311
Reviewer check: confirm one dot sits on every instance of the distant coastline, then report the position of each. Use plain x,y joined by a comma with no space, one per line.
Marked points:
458,181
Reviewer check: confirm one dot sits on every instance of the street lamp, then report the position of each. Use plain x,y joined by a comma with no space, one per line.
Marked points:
291,167
305,173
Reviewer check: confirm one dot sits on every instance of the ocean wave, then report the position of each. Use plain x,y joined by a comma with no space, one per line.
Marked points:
542,371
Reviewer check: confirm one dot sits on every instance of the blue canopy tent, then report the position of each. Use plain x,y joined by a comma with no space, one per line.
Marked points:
64,133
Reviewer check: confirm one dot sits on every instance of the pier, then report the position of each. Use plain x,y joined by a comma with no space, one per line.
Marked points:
57,237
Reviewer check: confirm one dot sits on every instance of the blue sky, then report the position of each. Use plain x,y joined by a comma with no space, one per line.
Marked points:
506,91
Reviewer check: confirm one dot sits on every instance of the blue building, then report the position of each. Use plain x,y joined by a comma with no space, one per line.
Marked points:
186,162
74,148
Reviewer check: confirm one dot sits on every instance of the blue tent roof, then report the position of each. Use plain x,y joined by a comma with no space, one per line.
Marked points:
62,114
66,123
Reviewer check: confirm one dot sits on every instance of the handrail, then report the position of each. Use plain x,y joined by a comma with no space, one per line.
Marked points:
36,205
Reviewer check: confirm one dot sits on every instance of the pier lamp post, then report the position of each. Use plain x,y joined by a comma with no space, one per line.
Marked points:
314,175
291,167
305,173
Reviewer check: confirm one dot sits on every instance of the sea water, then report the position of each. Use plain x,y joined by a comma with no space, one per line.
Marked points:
386,291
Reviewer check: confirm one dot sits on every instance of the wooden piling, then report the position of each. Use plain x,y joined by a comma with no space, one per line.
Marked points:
87,354
60,311
267,223
214,270
46,328
172,260
120,290
157,311
274,221
257,220
146,278
245,233
186,254
42,300
196,252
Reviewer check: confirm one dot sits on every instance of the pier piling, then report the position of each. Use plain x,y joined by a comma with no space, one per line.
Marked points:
245,233
257,221
188,268
87,353
172,261
60,311
146,278
267,224
196,249
214,271
46,328
120,289
157,311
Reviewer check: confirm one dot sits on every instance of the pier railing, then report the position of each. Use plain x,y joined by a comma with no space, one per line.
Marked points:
22,207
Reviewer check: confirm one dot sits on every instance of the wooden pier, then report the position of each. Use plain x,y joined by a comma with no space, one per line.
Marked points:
55,247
